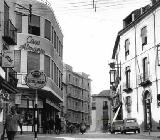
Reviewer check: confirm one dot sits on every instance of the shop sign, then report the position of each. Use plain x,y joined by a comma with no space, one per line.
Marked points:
8,58
31,45
36,79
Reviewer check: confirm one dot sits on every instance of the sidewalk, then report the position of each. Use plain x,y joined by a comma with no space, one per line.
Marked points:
39,136
152,134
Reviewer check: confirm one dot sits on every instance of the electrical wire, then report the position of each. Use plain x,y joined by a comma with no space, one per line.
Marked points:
101,4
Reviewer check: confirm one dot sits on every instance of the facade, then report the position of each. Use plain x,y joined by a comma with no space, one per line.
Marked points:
136,52
8,76
39,47
101,111
77,91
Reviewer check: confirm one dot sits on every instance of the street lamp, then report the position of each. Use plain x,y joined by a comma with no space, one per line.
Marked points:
112,76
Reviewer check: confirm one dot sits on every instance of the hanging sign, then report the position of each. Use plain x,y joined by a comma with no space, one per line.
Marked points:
8,58
36,79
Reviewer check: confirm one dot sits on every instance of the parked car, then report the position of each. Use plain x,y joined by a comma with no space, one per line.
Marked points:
117,126
130,125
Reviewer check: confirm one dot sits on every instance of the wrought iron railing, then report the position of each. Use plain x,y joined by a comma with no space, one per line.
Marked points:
10,33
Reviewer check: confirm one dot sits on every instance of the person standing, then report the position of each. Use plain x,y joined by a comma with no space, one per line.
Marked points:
11,123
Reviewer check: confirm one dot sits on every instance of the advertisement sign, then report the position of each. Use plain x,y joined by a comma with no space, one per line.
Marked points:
8,58
36,79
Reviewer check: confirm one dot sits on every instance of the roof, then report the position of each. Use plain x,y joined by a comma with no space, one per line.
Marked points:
104,93
146,11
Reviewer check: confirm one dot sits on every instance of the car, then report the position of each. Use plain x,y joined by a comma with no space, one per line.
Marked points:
130,125
117,126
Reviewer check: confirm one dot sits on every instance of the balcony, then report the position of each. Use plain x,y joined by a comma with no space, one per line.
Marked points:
12,78
10,33
127,87
144,80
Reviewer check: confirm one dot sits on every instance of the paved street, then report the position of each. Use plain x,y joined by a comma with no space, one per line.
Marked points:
88,136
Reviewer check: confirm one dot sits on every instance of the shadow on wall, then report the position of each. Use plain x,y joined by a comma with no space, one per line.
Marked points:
154,127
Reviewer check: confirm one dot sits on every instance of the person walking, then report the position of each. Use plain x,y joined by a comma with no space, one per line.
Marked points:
11,123
57,124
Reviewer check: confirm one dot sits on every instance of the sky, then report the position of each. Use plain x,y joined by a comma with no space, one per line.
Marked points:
90,34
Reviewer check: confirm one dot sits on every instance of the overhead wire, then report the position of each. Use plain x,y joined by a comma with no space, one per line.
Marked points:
99,4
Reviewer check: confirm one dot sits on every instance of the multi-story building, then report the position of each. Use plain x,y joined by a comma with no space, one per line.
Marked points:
39,47
136,53
77,91
8,76
101,111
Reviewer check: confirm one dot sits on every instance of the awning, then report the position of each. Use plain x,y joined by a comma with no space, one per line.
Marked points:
116,114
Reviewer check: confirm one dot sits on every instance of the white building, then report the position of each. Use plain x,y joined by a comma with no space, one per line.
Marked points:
136,51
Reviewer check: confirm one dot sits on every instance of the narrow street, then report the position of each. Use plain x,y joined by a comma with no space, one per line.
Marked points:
88,136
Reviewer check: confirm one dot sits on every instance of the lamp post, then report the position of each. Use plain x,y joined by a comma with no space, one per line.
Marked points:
112,76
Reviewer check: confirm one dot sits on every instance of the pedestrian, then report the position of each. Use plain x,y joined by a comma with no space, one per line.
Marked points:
51,124
11,123
82,127
57,124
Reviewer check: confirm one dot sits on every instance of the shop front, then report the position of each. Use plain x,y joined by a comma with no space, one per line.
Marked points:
48,107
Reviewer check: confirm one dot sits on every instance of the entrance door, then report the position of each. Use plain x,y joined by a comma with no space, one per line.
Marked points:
147,111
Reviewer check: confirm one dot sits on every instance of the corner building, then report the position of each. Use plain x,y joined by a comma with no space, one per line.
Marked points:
136,50
39,47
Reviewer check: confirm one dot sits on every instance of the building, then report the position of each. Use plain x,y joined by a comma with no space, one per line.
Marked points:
8,76
136,53
39,46
101,111
77,91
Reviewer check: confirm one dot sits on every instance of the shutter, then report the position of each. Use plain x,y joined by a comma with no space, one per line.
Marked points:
17,60
33,61
47,65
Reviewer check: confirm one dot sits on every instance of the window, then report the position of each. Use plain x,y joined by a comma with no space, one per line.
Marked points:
48,29
52,69
19,22
52,35
127,43
0,19
33,61
144,36
128,77
34,25
145,68
55,69
94,106
128,104
47,65
17,60
105,105
6,12
55,39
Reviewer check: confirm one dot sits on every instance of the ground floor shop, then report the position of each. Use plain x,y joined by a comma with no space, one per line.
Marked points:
48,106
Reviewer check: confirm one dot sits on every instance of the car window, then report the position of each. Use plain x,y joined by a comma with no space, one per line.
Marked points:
130,120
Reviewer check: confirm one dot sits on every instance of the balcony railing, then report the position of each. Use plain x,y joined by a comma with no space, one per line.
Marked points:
12,78
10,33
144,80
127,87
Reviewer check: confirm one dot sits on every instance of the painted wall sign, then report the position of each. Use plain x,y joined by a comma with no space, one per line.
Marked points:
7,58
36,79
31,45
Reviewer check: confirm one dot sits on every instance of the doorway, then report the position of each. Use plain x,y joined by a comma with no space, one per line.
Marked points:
147,111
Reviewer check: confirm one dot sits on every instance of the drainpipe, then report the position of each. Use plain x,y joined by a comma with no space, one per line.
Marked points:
156,58
136,63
